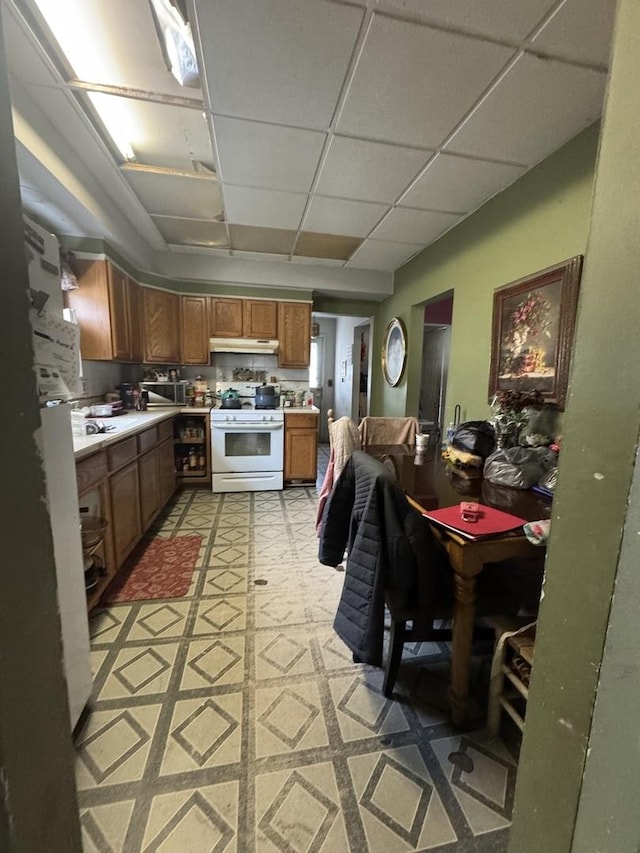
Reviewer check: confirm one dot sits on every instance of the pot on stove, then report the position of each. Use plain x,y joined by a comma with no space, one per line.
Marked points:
266,397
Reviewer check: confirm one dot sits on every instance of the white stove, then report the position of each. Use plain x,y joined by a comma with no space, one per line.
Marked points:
247,444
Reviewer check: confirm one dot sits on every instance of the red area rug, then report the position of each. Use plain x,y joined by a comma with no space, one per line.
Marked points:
162,570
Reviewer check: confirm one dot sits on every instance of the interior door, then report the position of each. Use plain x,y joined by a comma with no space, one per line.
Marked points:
435,364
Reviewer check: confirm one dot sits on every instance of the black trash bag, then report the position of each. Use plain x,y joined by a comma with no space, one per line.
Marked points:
476,437
519,467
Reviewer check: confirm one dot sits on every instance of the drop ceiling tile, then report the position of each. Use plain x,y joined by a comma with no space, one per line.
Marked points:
504,18
326,245
459,184
370,171
172,195
413,84
191,232
260,256
383,255
535,108
580,29
403,225
160,135
338,216
267,155
266,208
323,262
276,241
282,61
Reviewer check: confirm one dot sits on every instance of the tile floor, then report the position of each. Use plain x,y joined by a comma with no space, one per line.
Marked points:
234,719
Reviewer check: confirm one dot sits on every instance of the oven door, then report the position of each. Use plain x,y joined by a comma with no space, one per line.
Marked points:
239,447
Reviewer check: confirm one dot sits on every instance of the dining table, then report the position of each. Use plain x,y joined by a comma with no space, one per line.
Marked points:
430,483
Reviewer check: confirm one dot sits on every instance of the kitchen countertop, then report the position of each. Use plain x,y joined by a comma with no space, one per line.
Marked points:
301,410
127,425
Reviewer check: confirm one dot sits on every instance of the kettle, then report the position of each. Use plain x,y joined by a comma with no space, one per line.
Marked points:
231,394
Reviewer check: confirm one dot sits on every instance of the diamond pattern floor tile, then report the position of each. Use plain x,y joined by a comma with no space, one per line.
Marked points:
234,719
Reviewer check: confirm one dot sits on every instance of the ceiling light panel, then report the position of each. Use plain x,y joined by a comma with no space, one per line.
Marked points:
383,255
161,135
128,54
580,29
172,195
459,184
267,155
266,208
413,226
536,107
338,216
282,61
369,171
191,232
504,18
385,102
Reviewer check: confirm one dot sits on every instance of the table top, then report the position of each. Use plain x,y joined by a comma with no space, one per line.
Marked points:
434,483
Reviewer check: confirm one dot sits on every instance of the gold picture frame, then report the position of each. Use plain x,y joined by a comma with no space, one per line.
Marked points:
394,351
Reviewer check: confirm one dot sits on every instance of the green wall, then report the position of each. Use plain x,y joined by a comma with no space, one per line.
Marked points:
540,220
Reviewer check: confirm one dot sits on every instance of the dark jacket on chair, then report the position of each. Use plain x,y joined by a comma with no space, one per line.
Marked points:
392,556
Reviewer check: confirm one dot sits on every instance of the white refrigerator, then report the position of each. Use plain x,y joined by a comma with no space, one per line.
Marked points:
57,368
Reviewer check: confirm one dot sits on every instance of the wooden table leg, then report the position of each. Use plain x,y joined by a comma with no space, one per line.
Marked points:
461,648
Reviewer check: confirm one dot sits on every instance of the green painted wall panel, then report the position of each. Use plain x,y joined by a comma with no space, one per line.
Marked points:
539,221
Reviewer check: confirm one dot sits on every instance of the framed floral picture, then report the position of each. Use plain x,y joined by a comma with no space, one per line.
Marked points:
532,334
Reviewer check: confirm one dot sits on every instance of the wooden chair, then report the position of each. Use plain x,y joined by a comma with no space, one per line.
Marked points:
510,672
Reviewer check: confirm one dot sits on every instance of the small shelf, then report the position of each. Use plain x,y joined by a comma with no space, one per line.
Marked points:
200,473
189,441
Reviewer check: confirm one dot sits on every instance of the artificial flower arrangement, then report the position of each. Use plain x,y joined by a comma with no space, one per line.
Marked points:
512,410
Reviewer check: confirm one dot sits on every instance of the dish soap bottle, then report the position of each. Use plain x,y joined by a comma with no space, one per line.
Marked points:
193,459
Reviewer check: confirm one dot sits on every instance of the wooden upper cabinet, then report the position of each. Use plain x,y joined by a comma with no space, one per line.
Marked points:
135,322
260,319
160,317
105,306
194,329
225,317
294,334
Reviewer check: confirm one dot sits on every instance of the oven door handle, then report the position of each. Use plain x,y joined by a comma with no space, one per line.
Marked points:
253,427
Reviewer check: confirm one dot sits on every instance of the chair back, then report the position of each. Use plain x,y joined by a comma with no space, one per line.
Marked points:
388,431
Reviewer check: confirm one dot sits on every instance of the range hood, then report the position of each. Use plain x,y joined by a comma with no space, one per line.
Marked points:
248,345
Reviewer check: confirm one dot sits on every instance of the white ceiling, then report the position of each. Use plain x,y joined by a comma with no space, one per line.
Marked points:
346,134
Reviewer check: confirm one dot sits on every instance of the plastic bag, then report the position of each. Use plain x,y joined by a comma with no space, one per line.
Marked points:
548,480
476,437
519,467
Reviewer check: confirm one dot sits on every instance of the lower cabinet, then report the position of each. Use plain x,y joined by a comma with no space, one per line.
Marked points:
124,497
128,484
149,473
166,470
300,446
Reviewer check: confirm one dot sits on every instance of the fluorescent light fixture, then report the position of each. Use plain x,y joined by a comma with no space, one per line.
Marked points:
82,32
176,42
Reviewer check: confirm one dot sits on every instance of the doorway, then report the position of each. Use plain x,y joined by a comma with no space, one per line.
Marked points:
435,364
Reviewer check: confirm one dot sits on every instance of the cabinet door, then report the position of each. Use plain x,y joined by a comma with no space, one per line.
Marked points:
91,304
119,313
161,326
260,319
135,322
300,454
124,497
195,330
294,334
167,471
149,474
225,317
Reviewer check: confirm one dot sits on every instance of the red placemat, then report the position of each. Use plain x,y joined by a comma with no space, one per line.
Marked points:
491,522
